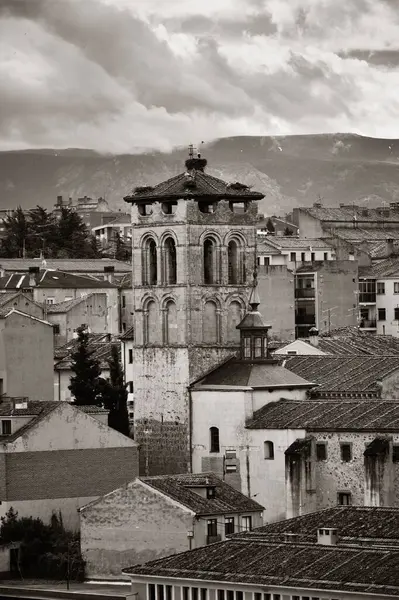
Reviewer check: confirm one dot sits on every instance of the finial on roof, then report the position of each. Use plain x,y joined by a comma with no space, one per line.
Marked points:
195,163
254,299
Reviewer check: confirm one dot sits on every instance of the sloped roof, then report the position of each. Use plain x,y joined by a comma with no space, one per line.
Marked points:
128,335
380,269
67,305
182,489
290,242
352,523
257,375
53,279
321,415
100,350
205,186
38,411
263,562
354,341
68,265
346,214
363,234
70,347
343,374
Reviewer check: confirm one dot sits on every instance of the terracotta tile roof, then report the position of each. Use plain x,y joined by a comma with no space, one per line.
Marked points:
346,214
380,269
128,335
6,297
124,281
343,374
292,565
69,347
53,279
100,350
353,523
295,243
38,410
322,415
257,375
361,234
90,409
68,265
354,341
205,186
62,307
182,489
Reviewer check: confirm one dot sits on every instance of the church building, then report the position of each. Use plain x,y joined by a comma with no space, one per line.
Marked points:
194,251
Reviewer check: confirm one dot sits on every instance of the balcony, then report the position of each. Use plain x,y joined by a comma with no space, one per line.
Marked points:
304,293
368,324
367,297
212,539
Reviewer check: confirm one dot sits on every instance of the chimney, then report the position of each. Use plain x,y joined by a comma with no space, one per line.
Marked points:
327,536
33,276
2,271
109,273
314,336
59,200
290,537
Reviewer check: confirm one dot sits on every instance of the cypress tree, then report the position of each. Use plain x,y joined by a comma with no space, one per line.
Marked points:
85,384
114,394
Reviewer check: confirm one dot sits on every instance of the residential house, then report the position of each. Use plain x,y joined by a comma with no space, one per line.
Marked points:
276,286
94,267
21,302
100,345
152,517
127,342
346,554
326,296
67,316
107,233
26,355
379,296
292,250
52,287
55,457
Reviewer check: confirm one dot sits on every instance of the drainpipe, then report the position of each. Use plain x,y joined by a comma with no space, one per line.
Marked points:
248,474
190,430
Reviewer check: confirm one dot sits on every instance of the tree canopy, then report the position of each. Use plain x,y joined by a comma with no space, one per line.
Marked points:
38,232
114,395
85,384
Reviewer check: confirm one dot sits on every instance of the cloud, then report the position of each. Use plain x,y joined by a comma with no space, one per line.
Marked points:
118,75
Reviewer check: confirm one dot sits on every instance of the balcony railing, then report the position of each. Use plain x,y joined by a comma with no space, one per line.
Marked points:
369,297
212,539
305,293
368,324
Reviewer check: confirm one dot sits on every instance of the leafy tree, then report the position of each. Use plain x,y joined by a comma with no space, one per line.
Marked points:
114,394
288,231
269,226
85,384
17,235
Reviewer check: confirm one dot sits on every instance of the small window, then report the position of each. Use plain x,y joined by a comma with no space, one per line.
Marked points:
395,453
303,256
246,523
123,327
325,256
293,256
396,287
204,594
229,525
168,589
239,595
131,387
268,450
247,347
346,452
312,256
56,329
160,592
344,498
194,593
321,451
257,596
231,469
380,287
145,209
6,426
123,301
169,208
230,595
396,311
49,300
130,356
151,591
382,314
214,441
210,492
220,594
186,593
258,347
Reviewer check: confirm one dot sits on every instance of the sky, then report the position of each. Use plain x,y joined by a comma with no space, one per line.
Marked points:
129,75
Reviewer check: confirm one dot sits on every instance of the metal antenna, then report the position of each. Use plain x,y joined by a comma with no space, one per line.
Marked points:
191,151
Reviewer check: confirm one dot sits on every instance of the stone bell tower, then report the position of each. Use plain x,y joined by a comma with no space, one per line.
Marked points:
194,250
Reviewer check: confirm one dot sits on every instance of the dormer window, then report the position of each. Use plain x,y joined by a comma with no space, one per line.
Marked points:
254,345
210,492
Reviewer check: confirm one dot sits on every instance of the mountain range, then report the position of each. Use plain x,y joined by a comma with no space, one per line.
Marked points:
290,170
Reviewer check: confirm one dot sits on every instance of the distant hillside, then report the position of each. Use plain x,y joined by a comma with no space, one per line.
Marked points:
291,171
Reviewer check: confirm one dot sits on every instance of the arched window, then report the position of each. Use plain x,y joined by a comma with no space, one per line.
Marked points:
214,439
170,323
234,317
210,323
151,323
209,261
268,450
235,263
149,262
169,261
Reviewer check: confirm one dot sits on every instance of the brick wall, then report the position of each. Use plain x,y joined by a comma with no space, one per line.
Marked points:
68,473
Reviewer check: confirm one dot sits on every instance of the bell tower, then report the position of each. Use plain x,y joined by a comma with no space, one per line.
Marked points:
194,249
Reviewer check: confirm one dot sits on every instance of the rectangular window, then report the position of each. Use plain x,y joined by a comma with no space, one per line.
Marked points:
160,592
396,313
56,329
130,356
321,451
186,593
6,427
380,287
194,593
212,528
123,327
312,256
344,498
346,452
123,301
267,261
293,256
49,300
396,287
131,387
247,347
220,594
246,523
168,590
229,525
239,595
303,256
258,347
151,591
231,468
395,453
230,595
204,594
325,255
382,314
257,596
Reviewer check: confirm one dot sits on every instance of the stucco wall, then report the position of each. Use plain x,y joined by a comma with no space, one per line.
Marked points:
389,301
337,287
132,525
61,381
27,351
276,288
